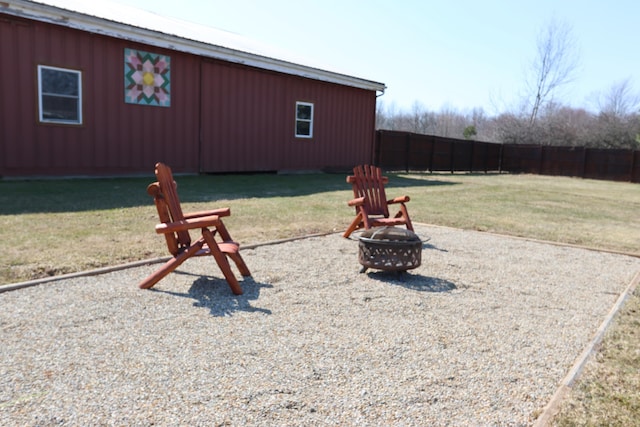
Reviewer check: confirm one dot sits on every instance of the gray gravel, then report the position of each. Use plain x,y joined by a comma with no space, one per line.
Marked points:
480,334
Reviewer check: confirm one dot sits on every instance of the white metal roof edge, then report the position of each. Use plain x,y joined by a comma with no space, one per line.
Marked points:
94,24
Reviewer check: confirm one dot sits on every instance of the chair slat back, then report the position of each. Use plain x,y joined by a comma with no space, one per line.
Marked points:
368,182
165,195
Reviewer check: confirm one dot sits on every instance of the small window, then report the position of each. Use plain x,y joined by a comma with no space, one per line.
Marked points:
60,95
304,120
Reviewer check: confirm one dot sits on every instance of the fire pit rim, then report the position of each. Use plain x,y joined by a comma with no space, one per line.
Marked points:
371,239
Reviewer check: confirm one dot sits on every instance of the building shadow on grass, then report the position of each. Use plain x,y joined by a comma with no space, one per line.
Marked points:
214,294
414,282
76,195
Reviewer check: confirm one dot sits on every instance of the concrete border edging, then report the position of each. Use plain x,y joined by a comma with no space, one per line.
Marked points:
141,263
552,408
531,239
95,272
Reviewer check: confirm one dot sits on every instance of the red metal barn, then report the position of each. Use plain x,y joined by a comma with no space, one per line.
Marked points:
111,91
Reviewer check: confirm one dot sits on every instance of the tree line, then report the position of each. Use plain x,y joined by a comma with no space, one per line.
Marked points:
539,118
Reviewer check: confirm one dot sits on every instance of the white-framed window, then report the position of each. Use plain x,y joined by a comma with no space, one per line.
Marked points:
59,95
304,120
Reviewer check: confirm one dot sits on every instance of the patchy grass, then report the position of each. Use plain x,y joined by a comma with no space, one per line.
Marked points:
50,227
608,391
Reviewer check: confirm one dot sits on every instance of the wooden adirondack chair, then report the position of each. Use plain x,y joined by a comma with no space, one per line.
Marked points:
175,226
371,203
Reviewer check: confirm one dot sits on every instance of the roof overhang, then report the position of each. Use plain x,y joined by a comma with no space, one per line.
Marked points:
182,36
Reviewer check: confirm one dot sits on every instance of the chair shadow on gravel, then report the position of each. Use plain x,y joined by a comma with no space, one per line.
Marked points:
414,282
213,293
430,246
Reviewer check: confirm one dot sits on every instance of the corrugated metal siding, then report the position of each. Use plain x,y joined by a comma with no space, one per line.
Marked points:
223,117
16,106
241,122
343,126
115,137
249,121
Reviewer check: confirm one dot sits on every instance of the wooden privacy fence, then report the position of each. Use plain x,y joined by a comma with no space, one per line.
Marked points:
396,150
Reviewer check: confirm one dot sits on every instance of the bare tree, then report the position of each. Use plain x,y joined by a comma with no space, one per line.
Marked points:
618,123
418,119
388,116
620,100
555,65
449,123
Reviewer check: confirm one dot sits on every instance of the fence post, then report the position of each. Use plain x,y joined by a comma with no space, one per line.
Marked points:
452,155
473,149
486,157
433,149
407,145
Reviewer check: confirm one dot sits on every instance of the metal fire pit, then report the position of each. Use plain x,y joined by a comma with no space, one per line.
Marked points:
390,249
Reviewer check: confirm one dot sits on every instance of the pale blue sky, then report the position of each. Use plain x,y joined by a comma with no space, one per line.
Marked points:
457,54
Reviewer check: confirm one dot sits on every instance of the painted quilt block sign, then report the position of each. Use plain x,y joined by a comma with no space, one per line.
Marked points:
147,78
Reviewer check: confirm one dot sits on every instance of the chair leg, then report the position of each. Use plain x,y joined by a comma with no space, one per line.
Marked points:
169,266
224,234
355,224
222,261
405,214
233,254
242,267
402,213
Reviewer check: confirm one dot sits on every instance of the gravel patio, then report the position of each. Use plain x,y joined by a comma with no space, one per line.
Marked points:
481,333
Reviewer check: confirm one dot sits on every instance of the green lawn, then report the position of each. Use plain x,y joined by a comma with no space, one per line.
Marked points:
51,227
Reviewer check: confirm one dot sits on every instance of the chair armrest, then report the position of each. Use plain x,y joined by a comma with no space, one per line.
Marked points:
351,179
401,199
188,224
356,202
216,212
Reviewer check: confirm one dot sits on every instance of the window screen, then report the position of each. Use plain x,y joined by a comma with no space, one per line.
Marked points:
60,95
304,120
